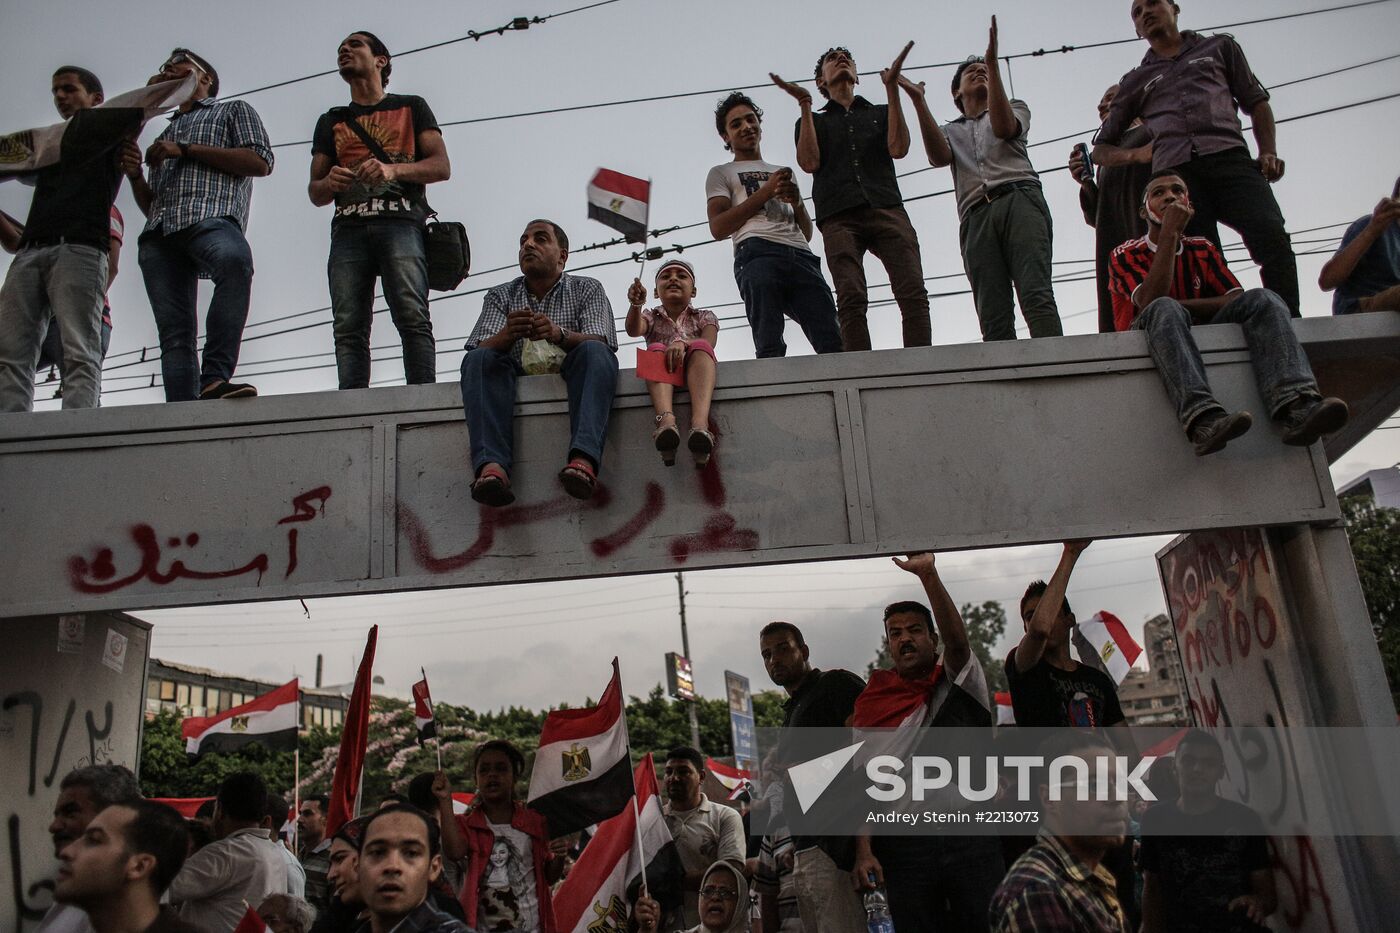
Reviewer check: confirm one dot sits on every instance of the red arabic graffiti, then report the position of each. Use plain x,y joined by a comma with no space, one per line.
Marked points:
1302,881
99,575
720,532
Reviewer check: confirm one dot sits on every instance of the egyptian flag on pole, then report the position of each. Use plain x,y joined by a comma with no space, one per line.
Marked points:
622,202
269,720
602,886
1006,714
583,772
354,736
423,710
1112,643
734,780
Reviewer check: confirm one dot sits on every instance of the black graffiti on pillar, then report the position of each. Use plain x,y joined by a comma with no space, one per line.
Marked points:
94,733
1287,736
31,699
22,909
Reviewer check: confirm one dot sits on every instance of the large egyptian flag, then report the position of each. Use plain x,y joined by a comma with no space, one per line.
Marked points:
423,710
269,720
583,771
602,886
92,131
620,201
735,781
354,736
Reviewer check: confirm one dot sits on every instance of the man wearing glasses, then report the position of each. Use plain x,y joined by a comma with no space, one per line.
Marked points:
849,148
196,203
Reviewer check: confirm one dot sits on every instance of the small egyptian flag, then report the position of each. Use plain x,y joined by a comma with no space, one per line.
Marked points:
251,922
423,710
269,720
622,202
1109,640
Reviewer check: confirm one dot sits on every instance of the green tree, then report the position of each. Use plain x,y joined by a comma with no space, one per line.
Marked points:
985,624
1375,546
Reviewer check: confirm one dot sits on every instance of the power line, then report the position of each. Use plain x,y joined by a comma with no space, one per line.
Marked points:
1038,53
517,23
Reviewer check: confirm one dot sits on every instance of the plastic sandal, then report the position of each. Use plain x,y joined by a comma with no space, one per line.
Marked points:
492,487
701,444
578,478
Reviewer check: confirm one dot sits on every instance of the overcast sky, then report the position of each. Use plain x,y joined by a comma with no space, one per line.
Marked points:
538,645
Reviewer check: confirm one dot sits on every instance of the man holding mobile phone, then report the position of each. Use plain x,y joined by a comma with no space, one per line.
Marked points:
1365,272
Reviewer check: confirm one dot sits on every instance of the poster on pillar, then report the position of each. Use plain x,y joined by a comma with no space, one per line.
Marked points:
72,694
741,720
1246,683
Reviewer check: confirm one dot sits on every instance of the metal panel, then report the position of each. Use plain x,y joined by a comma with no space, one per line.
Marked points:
845,455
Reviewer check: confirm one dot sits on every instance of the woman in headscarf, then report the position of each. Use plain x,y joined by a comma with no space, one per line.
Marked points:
724,903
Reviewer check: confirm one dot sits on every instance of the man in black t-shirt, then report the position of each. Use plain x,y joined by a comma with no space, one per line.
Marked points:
1205,860
1048,687
373,158
61,270
817,699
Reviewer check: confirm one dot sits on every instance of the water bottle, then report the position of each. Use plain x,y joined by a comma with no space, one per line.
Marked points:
1083,150
877,909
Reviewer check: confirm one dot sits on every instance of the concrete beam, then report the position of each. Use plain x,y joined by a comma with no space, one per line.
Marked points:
841,456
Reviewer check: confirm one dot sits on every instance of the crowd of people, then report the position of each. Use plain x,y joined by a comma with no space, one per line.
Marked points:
418,865
1176,115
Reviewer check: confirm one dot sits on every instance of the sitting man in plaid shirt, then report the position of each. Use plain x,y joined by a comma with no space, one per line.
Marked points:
1060,885
196,204
547,311
1165,282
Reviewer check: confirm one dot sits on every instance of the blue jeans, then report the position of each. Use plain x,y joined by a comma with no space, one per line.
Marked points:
1280,366
62,284
172,265
776,280
488,400
393,252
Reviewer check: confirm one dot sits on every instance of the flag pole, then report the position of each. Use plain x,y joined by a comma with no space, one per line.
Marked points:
636,811
296,782
437,735
646,234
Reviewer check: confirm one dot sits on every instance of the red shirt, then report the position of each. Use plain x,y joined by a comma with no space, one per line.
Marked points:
1200,272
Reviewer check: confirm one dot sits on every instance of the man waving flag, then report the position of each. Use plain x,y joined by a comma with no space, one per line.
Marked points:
583,771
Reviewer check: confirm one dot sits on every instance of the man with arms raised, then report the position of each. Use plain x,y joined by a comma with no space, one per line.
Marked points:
570,312
758,206
1165,282
118,868
944,881
372,158
849,148
400,856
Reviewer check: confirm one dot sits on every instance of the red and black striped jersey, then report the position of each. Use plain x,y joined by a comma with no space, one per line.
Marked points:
1200,272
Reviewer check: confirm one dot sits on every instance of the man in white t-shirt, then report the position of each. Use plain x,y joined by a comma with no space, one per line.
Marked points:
757,204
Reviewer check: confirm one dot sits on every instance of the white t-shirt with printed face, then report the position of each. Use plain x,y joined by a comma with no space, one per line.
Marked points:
738,181
508,902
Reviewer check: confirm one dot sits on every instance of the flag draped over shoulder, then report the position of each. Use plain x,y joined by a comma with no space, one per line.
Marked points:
345,786
269,720
603,884
583,772
1110,640
423,711
92,130
620,201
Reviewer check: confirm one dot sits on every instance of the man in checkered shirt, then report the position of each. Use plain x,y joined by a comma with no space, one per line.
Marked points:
545,306
196,203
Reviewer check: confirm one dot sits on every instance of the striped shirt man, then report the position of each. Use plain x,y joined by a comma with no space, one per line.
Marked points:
1200,272
186,191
